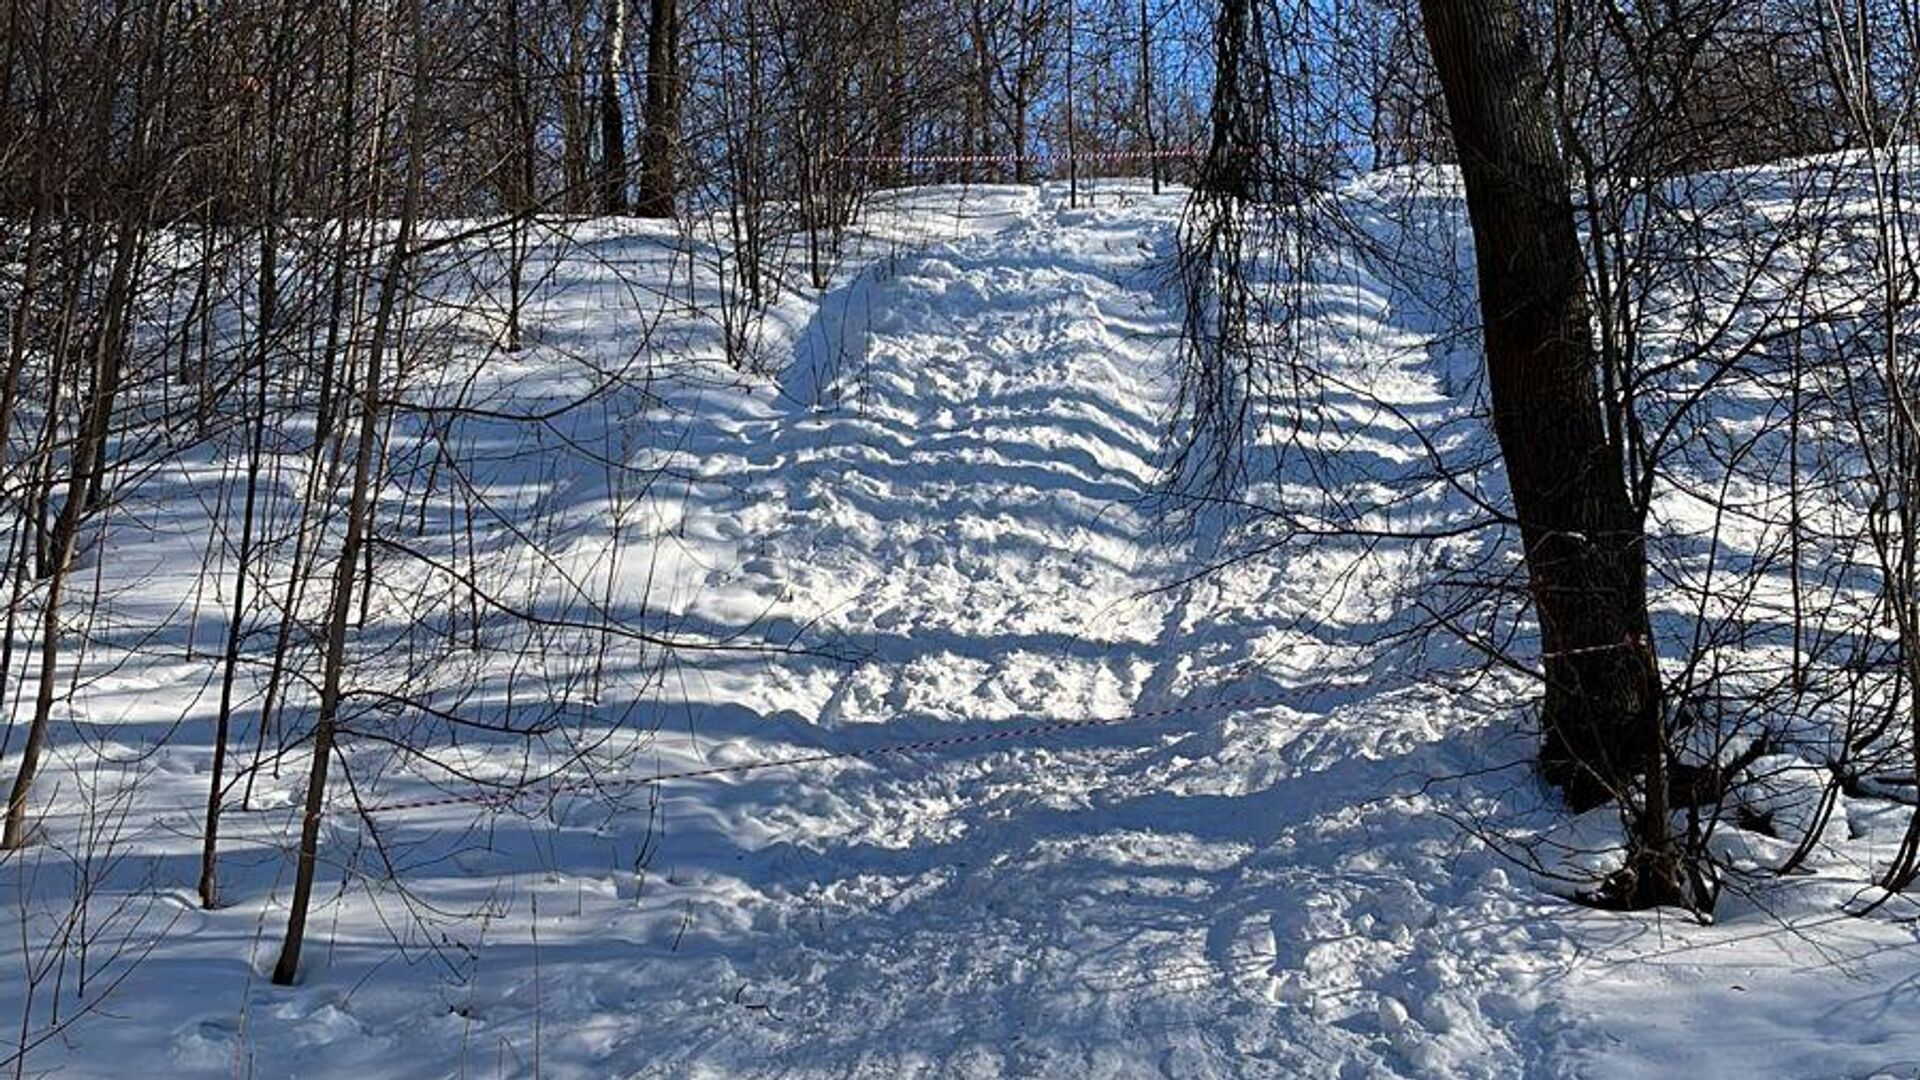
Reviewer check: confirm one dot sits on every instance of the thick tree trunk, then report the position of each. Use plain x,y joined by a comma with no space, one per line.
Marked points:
1022,167
1231,139
661,145
1585,551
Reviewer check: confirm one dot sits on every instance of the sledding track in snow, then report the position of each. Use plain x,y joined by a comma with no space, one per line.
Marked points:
943,497
954,490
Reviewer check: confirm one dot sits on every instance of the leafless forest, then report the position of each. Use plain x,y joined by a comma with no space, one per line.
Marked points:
352,351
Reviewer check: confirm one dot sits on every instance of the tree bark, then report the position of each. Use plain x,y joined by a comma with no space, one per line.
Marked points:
1231,139
661,146
577,110
978,139
613,120
1146,95
1585,547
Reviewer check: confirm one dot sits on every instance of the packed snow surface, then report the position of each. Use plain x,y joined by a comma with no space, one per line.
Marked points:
936,511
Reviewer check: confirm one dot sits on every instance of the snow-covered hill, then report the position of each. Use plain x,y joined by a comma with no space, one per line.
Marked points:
1267,864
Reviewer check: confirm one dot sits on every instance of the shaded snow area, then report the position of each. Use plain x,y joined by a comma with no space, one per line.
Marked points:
933,521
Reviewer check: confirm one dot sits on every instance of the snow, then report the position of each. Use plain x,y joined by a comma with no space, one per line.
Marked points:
937,507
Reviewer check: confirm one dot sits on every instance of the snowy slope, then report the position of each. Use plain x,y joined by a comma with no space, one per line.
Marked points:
942,504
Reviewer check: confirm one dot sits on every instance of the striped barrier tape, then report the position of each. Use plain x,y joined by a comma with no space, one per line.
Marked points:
1012,159
1630,642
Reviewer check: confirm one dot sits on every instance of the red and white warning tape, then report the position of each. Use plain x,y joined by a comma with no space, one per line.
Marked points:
1630,642
1012,159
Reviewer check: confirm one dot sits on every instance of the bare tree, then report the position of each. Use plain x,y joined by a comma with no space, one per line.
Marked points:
660,140
1584,542
360,498
613,117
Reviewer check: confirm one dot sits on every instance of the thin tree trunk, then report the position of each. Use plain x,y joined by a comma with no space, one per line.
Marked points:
358,512
89,444
1073,135
1146,95
236,625
337,339
37,226
576,114
979,139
